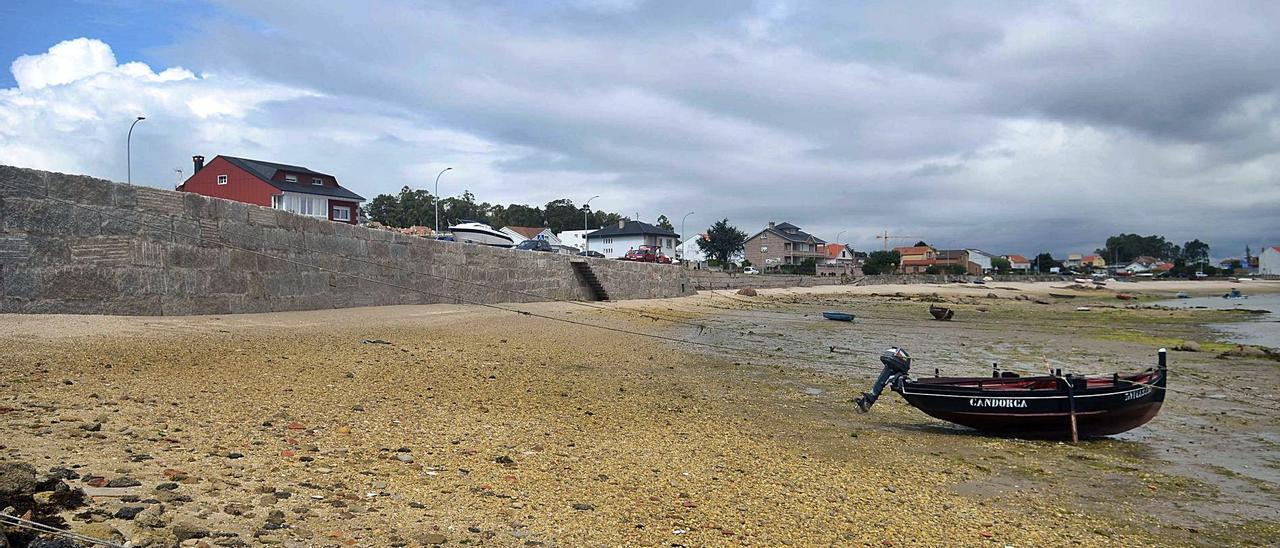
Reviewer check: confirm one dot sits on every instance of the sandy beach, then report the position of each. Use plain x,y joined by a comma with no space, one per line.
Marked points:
444,424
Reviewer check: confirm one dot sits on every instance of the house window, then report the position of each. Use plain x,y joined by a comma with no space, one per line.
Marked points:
222,179
277,201
341,213
317,181
608,250
608,240
764,249
290,178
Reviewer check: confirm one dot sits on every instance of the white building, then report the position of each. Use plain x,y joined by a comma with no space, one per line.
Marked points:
522,233
616,239
690,251
982,259
1269,261
574,238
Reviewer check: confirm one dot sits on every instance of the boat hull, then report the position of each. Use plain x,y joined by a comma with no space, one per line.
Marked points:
1000,408
838,316
481,236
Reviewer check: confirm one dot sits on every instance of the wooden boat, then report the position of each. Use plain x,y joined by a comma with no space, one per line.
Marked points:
1050,406
941,313
1061,296
1124,296
838,316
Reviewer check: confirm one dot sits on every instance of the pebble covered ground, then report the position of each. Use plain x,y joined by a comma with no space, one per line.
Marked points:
426,425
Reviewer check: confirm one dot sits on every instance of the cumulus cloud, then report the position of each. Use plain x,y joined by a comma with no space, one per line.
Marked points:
66,62
1046,126
72,102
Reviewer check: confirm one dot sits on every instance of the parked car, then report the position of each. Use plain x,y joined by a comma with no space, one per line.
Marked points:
536,245
595,254
646,254
750,270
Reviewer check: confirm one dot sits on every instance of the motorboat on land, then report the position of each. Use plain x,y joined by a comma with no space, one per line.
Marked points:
476,232
838,316
1053,406
1235,294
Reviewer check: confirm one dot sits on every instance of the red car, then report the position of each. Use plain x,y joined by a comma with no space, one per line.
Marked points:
646,254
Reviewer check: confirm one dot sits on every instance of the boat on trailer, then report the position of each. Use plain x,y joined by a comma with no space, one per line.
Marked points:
1053,406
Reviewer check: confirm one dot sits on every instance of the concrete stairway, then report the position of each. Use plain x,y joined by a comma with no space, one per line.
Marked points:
584,271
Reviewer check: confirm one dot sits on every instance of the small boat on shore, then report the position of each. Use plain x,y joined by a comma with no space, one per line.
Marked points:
476,232
838,316
1182,295
1054,406
1062,296
941,313
1235,294
1125,296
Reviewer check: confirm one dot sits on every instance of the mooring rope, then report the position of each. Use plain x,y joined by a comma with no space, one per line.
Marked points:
51,530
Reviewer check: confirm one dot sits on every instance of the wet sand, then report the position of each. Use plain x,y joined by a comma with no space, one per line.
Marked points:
486,427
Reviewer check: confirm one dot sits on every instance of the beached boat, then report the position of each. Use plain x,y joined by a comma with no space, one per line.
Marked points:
1124,296
941,313
1182,295
1062,296
1235,294
838,316
1054,406
479,233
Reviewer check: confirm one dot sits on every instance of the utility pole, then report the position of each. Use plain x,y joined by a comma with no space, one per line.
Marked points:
586,210
682,235
128,151
435,198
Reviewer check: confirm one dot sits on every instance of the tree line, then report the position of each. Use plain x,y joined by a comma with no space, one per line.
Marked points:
417,208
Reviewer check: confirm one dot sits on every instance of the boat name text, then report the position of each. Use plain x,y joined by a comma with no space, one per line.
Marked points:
995,402
1137,394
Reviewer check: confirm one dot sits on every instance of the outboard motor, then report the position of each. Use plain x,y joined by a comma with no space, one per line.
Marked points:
897,362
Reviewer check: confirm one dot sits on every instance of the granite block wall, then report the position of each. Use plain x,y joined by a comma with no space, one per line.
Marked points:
76,244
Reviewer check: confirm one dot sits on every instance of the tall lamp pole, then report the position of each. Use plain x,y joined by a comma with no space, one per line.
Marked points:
682,238
435,198
128,150
586,208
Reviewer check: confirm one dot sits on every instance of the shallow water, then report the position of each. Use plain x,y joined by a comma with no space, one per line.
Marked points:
1264,330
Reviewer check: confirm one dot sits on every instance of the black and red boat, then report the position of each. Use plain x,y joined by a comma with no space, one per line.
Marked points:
1053,406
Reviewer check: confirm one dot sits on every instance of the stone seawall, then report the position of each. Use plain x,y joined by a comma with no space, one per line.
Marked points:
713,279
75,244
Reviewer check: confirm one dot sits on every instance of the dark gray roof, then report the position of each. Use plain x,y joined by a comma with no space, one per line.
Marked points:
632,228
266,170
788,231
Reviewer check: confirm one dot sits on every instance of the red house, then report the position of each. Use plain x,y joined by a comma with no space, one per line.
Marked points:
291,188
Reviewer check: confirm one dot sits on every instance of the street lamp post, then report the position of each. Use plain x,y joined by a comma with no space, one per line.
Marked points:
435,198
682,236
128,150
586,245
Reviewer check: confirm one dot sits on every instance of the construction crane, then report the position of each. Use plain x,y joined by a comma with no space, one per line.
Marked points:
886,237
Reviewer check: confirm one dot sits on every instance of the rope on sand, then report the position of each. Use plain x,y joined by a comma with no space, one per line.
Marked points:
15,521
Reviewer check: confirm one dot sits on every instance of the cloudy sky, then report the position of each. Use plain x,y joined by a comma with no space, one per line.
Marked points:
1010,126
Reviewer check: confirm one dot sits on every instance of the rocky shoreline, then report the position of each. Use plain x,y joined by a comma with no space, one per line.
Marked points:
427,425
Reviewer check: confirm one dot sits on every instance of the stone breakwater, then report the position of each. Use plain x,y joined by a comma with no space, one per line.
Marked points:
75,244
